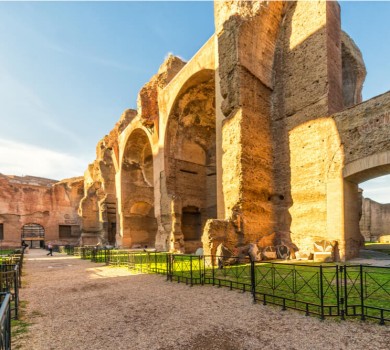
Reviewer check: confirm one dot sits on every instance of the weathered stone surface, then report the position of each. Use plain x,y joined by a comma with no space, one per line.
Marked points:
269,253
217,232
148,96
47,203
254,252
225,256
282,252
354,71
323,251
375,220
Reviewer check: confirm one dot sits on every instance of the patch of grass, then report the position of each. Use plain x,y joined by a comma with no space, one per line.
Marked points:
21,326
6,251
378,247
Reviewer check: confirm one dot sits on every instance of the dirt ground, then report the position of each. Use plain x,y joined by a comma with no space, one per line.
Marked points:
76,304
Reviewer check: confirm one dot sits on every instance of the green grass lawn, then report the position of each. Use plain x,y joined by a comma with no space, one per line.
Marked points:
379,247
6,251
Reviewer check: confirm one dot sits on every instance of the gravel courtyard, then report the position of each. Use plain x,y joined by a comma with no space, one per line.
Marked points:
76,304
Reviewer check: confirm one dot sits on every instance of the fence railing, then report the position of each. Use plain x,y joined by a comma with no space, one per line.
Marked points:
9,283
5,321
366,292
11,279
312,289
326,290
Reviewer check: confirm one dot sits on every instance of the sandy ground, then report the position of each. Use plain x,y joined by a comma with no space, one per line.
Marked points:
76,304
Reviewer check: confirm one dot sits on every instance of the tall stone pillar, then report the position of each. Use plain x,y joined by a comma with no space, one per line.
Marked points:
246,34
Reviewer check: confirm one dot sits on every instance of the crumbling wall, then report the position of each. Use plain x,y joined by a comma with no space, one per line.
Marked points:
190,164
98,208
316,159
307,153
247,33
375,221
32,200
137,190
354,71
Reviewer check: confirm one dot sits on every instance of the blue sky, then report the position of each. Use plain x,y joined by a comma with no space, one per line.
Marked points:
69,69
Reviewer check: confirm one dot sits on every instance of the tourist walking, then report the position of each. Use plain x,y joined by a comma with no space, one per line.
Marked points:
50,247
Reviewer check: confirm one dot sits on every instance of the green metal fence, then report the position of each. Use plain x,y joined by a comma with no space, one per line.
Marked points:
326,290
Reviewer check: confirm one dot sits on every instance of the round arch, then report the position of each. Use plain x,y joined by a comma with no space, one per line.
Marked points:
190,157
139,227
367,168
33,234
356,213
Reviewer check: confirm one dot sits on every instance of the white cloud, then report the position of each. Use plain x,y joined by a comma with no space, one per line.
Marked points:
24,159
377,189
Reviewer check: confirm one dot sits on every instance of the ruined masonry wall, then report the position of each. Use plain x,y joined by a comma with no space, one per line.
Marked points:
41,201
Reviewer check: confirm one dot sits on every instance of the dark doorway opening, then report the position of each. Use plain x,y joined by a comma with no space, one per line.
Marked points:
191,223
34,235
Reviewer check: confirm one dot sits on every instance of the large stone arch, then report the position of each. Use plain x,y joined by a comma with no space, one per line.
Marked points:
98,207
139,225
190,160
367,168
360,170
364,136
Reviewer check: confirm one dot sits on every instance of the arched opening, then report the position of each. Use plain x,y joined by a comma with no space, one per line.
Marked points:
139,222
34,235
370,217
190,156
375,218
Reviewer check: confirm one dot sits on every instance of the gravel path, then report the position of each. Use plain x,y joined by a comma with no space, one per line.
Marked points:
76,304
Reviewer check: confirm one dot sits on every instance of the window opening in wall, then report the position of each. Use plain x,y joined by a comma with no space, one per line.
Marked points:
191,224
33,231
65,231
33,234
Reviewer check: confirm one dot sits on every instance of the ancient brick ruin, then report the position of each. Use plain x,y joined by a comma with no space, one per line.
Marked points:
37,210
375,221
261,137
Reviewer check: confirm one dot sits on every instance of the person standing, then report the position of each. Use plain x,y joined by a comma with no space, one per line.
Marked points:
50,247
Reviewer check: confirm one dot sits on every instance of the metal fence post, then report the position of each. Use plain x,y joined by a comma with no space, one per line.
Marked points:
191,273
253,281
345,290
322,293
107,256
167,265
202,269
213,259
363,317
339,286
16,288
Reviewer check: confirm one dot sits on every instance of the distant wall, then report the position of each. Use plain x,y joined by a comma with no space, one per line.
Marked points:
375,221
32,200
